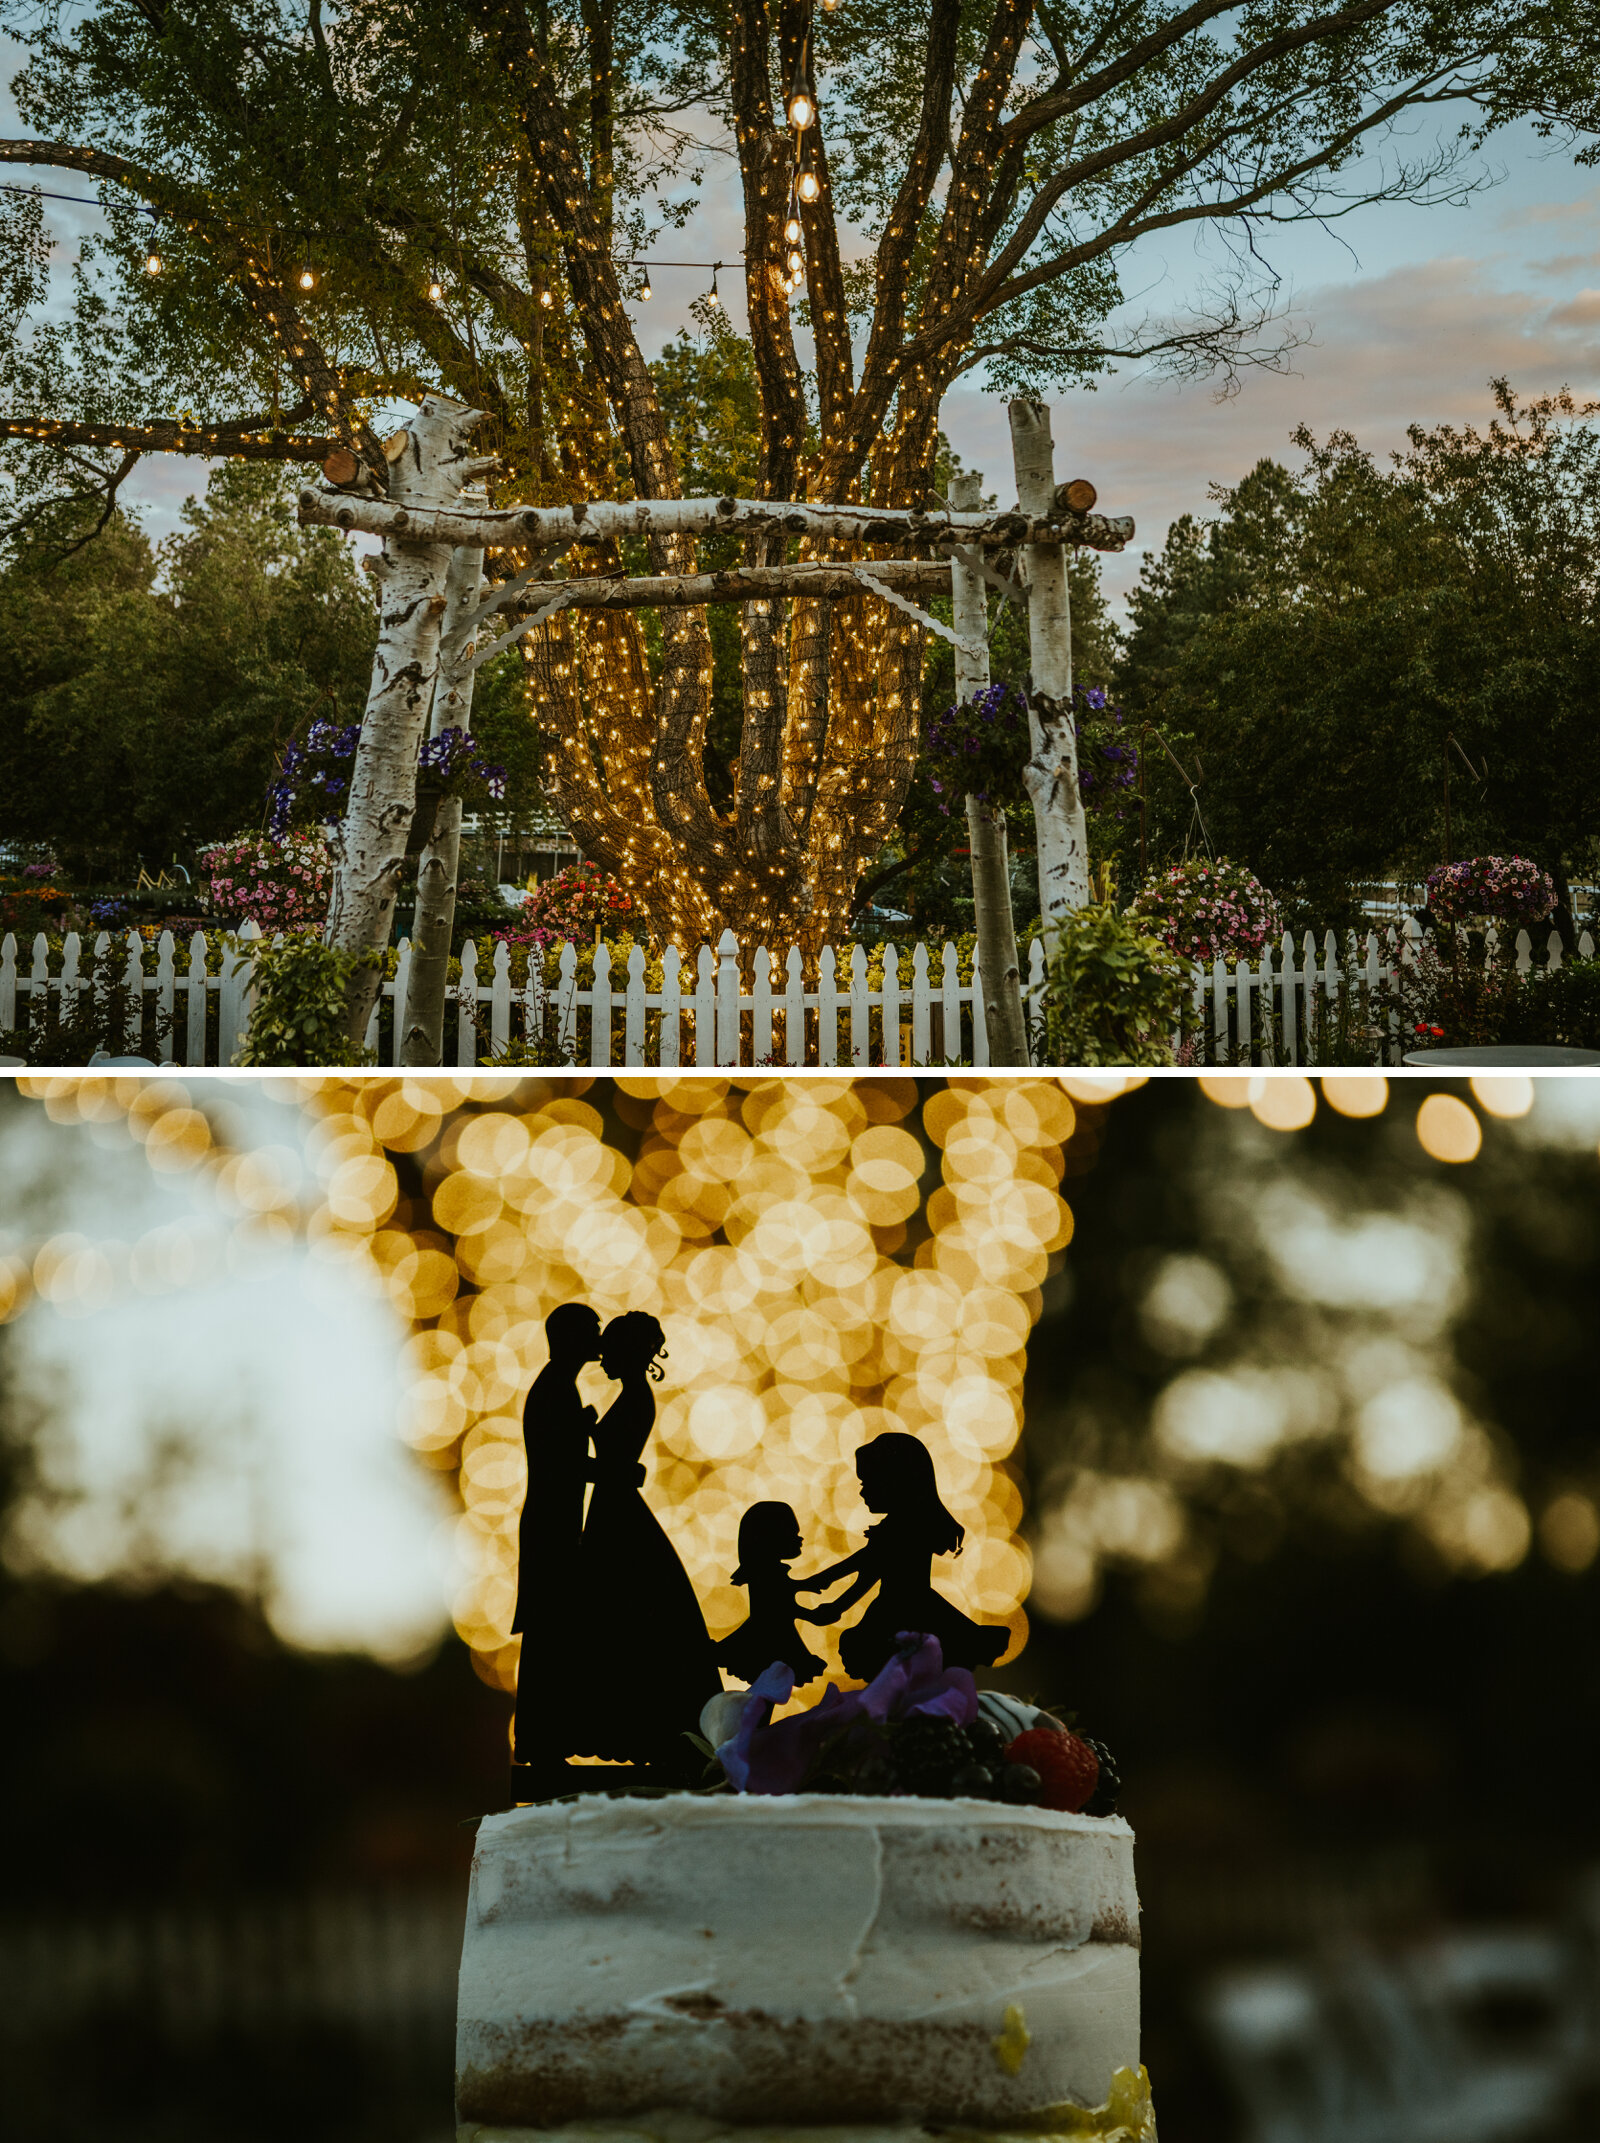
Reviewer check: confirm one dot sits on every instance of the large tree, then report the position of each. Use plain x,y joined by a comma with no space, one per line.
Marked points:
358,203
146,692
1345,645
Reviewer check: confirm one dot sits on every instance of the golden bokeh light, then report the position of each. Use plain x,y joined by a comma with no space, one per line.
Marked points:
1356,1094
1229,1090
1447,1130
1569,1531
1285,1102
1502,1096
830,1258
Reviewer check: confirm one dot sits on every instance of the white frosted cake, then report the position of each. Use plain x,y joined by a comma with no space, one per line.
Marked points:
795,1960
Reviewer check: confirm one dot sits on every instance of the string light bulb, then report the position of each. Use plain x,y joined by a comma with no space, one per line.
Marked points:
546,296
801,109
791,229
436,290
307,279
645,291
152,262
712,297
797,266
808,186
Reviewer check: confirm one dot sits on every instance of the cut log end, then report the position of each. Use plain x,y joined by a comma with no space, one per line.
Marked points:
341,466
1077,497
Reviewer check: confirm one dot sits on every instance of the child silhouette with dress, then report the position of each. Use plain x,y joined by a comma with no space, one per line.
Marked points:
769,1540
898,1482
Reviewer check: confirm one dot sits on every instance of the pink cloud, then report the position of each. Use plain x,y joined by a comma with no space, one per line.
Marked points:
1417,345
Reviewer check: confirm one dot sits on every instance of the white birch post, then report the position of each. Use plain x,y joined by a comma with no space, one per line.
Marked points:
439,864
429,469
986,823
1052,772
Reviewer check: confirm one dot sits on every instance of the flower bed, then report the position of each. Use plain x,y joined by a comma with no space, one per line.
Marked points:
30,901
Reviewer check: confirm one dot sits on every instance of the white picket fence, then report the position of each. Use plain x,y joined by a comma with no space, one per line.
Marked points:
1287,1008
717,1009
724,1008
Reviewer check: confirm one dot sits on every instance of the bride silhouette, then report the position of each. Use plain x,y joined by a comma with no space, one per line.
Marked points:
649,1658
898,1481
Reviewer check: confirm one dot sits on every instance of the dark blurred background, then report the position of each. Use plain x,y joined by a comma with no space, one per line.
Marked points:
1312,1472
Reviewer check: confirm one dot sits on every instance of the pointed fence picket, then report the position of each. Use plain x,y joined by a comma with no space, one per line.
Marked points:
1295,1005
1333,1005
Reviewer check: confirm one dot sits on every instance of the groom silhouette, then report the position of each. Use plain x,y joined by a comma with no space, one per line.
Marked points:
555,1432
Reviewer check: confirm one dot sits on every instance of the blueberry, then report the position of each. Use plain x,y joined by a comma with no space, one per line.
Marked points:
985,1738
1020,1782
974,1781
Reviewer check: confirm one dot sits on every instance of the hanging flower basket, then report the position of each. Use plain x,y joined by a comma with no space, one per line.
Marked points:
313,782
1207,911
1499,889
981,747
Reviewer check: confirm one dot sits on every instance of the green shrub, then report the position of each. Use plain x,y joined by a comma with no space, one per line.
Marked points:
1556,1008
301,989
101,1016
1112,991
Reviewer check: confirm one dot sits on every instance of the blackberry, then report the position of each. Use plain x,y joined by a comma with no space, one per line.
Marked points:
927,1753
1103,1801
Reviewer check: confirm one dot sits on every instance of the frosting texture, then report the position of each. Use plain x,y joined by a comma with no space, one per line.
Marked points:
794,1959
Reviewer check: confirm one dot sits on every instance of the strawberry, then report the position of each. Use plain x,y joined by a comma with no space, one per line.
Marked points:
1069,1767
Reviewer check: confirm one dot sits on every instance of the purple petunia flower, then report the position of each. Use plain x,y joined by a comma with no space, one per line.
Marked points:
763,1757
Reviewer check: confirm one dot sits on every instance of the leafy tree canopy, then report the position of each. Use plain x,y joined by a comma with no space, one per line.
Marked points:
145,693
1341,636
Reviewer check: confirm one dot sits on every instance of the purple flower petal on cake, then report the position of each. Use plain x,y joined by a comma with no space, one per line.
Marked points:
775,1686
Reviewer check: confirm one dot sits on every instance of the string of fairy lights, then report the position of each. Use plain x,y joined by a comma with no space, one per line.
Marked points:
589,681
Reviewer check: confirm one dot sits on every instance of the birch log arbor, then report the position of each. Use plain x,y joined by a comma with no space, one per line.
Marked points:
371,201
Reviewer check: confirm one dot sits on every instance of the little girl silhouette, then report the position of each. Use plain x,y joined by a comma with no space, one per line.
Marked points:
898,1481
769,1540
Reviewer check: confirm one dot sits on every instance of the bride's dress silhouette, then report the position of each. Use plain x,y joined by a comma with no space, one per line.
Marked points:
650,1663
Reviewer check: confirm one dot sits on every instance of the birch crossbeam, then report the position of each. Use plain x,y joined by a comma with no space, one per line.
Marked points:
604,521
739,584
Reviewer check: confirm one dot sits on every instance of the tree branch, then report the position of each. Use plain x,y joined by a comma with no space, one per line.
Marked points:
264,295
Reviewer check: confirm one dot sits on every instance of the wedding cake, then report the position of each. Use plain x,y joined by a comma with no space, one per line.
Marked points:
796,1960
909,1903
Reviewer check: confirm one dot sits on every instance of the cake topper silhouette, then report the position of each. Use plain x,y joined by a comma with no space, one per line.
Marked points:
648,1662
898,1482
556,1427
618,1664
769,1540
